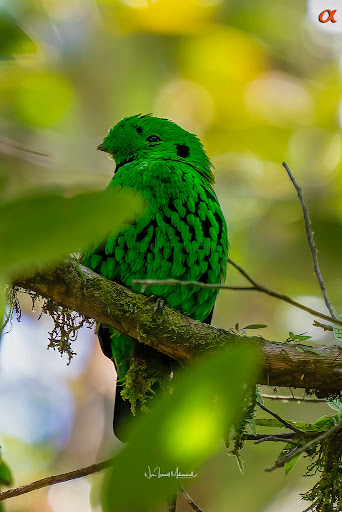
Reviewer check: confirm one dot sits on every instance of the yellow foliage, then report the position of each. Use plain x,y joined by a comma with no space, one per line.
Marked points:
223,60
161,16
43,99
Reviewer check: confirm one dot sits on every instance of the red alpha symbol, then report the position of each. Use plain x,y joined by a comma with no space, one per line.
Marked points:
329,18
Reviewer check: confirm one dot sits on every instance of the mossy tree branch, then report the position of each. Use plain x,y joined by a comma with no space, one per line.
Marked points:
76,287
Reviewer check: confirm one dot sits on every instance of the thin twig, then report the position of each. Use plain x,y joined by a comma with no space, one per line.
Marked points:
300,449
309,508
311,241
292,398
325,327
14,145
276,439
172,503
145,283
190,500
264,289
256,437
56,479
284,422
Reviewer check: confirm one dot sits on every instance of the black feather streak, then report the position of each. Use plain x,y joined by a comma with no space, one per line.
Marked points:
220,224
143,233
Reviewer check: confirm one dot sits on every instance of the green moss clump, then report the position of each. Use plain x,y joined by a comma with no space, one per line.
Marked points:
326,494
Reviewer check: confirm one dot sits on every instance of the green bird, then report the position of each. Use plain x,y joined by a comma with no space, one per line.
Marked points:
182,234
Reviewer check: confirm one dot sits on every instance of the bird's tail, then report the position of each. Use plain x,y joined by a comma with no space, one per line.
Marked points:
141,373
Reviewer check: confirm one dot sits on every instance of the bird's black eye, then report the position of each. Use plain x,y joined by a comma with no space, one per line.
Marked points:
153,138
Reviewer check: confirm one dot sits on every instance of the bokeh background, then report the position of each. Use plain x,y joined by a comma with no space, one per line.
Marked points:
260,83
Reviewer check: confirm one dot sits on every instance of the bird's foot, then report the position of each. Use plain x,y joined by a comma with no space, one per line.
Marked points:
157,302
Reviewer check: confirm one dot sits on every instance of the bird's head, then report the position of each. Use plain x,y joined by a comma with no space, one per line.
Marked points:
146,138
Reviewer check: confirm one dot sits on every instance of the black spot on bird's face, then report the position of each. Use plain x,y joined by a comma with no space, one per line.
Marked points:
182,150
139,130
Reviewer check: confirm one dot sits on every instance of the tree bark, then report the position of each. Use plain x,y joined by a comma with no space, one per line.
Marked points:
146,319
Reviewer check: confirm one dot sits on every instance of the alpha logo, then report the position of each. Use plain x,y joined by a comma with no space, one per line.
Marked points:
327,15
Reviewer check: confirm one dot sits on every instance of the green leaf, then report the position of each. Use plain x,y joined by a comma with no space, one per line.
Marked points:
338,329
13,39
258,395
2,303
290,464
335,404
325,422
182,429
252,426
314,350
255,326
301,425
299,349
5,474
269,422
300,337
45,228
236,327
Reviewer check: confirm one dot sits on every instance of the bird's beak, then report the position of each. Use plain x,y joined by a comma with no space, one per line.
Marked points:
101,147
